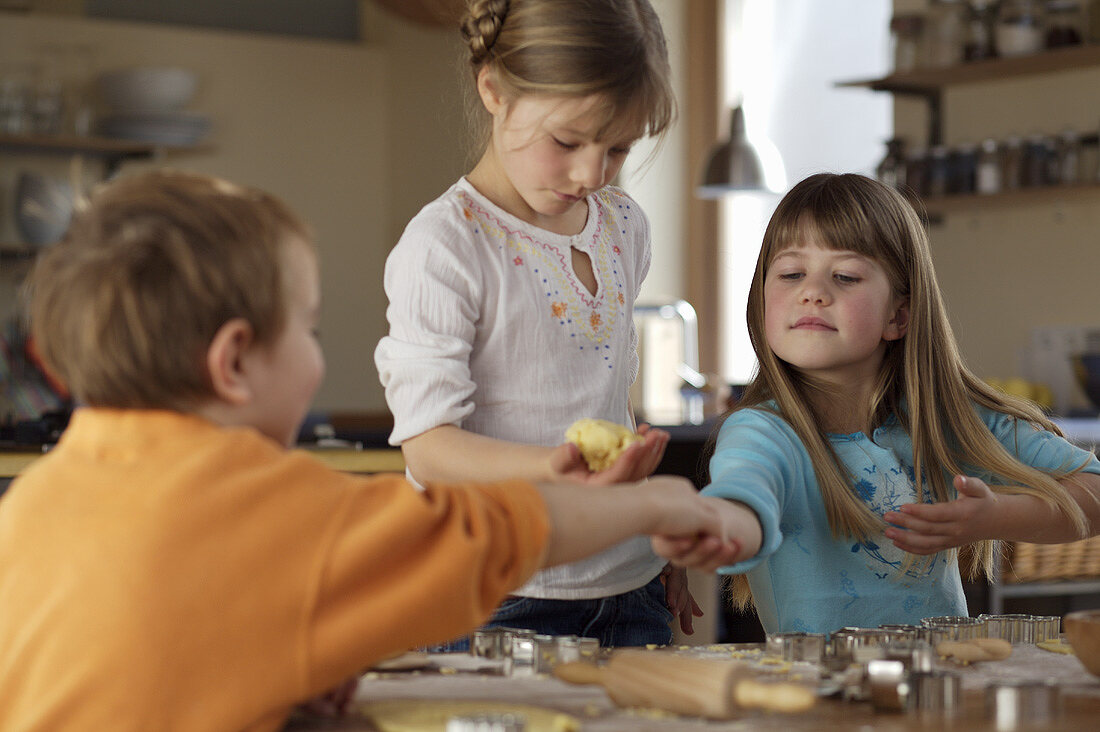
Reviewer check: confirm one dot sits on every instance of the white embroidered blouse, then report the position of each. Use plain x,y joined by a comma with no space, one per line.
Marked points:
492,331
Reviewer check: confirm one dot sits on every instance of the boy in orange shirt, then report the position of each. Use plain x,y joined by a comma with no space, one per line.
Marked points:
170,564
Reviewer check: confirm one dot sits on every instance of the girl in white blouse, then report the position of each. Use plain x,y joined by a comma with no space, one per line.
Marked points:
511,295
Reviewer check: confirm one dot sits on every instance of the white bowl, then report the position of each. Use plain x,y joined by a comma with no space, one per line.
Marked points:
148,88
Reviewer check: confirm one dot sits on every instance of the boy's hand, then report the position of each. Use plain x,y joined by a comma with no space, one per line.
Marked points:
737,538
678,597
927,528
333,703
637,462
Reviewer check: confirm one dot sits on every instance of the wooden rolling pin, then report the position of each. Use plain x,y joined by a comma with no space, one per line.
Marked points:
698,687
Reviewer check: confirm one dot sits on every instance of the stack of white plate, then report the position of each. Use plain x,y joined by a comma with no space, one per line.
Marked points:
161,128
146,104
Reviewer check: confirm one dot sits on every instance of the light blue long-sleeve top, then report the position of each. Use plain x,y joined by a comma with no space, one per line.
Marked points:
803,579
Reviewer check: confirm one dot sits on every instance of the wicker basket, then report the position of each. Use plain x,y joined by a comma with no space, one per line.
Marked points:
1025,562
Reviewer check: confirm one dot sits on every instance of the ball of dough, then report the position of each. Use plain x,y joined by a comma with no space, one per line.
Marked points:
600,442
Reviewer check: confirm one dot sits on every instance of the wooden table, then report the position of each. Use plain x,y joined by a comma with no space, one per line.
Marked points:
371,460
1080,693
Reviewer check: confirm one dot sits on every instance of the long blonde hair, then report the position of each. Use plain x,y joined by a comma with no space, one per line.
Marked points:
922,379
575,48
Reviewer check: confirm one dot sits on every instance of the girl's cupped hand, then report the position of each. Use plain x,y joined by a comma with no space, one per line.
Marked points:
636,463
927,528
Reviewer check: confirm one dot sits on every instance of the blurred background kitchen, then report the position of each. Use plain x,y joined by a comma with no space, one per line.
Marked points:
352,110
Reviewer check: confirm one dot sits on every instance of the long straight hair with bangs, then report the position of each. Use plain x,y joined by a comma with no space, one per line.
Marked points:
922,379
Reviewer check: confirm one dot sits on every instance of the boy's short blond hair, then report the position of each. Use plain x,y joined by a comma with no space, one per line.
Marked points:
124,308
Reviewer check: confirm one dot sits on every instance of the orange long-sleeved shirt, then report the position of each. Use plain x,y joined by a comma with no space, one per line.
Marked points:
160,572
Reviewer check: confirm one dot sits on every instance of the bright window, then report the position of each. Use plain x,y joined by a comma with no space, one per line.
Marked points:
782,60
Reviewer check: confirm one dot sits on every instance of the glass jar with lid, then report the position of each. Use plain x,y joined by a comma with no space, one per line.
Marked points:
987,178
1064,23
1019,30
891,170
945,32
906,33
981,19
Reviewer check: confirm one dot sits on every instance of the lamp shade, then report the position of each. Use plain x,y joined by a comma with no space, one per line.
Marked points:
733,165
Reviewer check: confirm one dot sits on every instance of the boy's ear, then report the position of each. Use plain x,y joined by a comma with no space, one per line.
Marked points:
487,90
225,361
897,326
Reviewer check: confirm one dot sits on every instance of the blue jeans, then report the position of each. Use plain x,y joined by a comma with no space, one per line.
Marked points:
634,618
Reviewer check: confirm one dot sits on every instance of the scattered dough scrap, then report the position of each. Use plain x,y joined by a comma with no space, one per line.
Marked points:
1056,645
600,442
975,649
429,715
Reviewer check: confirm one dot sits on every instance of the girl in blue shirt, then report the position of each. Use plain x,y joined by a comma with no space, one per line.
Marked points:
864,452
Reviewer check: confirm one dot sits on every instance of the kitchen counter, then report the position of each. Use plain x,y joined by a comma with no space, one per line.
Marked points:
462,677
378,460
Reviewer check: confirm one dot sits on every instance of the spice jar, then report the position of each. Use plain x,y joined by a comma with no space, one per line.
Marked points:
906,30
981,18
916,171
1069,157
1012,163
963,169
987,177
1034,170
891,170
939,171
1064,23
1019,28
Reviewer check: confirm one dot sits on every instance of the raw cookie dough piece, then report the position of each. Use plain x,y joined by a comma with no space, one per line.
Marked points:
431,715
1056,645
975,649
600,442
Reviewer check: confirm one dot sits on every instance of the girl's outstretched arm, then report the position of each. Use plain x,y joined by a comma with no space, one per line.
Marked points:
978,513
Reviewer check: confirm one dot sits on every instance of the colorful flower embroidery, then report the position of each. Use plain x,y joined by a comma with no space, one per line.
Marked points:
559,309
595,321
468,214
622,300
518,261
617,250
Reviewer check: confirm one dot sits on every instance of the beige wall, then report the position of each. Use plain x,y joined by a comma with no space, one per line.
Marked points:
357,137
1035,262
354,136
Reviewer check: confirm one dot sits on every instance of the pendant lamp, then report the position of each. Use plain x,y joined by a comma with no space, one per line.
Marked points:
733,165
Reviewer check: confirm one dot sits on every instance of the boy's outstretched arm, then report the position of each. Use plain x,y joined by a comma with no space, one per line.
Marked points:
704,552
978,513
587,519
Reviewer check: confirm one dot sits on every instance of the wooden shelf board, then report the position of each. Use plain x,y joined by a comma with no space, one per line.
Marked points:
973,202
926,81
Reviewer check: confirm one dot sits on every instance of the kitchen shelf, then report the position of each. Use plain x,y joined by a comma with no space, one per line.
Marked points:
930,83
927,81
938,206
111,150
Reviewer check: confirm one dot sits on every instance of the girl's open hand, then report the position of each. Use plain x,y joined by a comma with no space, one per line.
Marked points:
637,462
927,528
679,599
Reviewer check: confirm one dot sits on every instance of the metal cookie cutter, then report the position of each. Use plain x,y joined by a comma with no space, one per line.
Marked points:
487,723
531,654
576,648
934,692
796,646
1020,704
953,627
495,642
857,644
